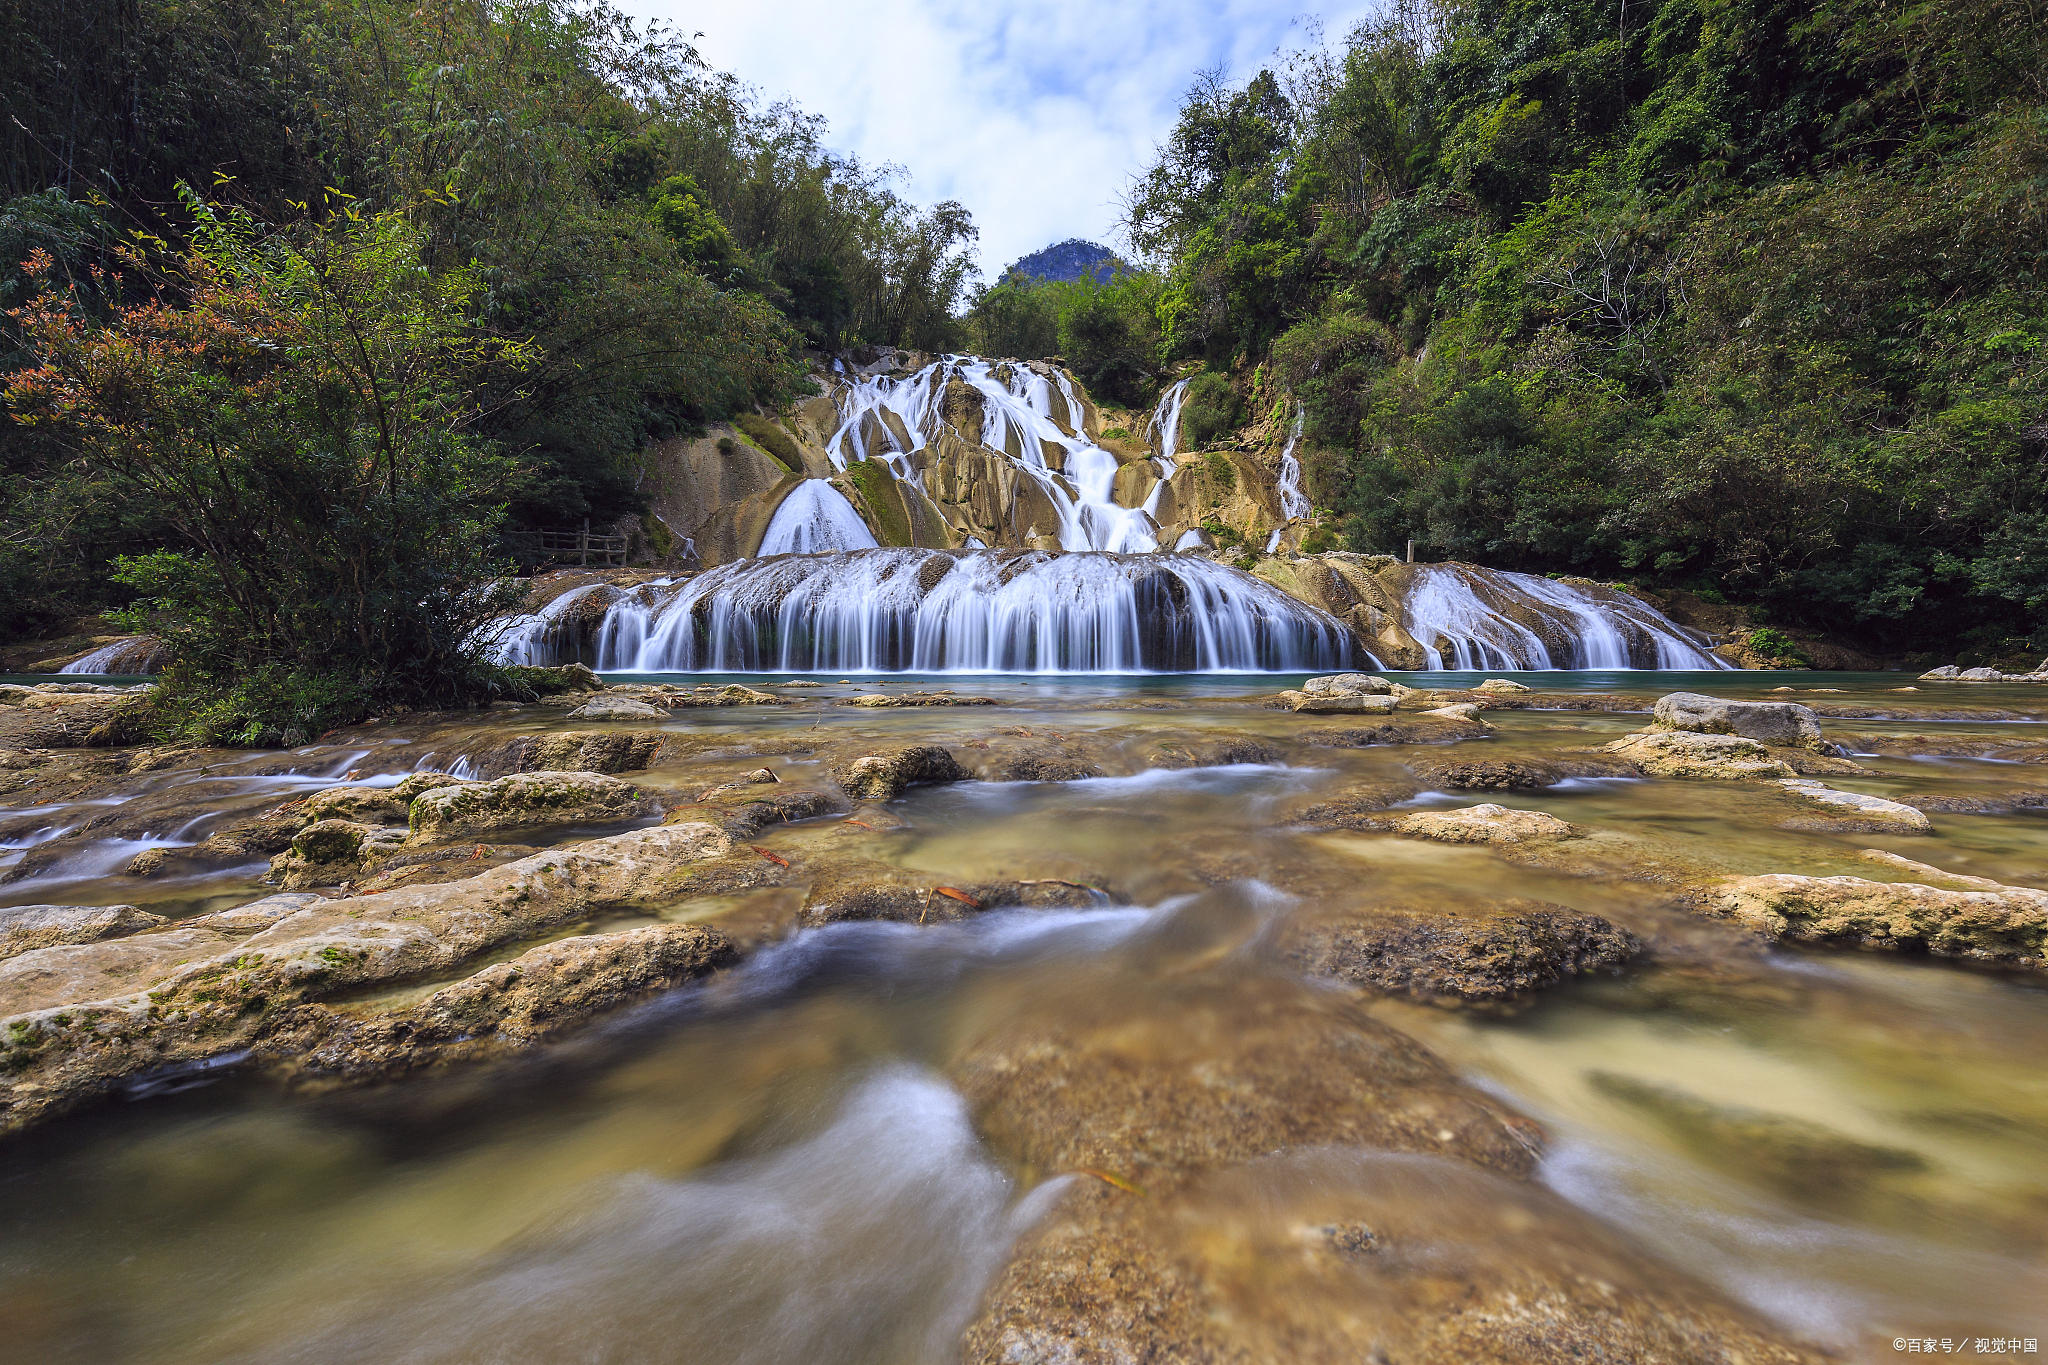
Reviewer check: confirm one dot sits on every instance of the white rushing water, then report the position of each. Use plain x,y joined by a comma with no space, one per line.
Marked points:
815,517
97,661
1033,419
1294,503
1165,429
985,611
532,637
1465,624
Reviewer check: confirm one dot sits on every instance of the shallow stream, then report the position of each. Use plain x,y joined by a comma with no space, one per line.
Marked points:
778,1165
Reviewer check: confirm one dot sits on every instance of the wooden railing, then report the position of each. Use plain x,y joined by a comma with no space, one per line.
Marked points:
547,545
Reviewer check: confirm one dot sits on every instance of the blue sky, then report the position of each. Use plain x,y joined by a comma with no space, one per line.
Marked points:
1034,115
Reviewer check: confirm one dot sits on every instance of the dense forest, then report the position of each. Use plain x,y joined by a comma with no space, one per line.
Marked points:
304,304
660,241
1738,296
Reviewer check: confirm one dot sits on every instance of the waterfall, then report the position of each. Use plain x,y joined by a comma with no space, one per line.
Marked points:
1166,424
99,660
535,637
1469,618
932,611
816,516
889,419
1293,503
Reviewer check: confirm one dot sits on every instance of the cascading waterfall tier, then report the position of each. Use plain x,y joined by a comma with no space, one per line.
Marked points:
1465,617
933,611
1019,411
814,517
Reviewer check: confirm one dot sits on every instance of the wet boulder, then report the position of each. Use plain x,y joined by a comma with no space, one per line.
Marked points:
1688,754
329,852
364,805
883,776
1986,921
617,708
939,698
24,928
1783,723
1446,774
578,751
414,785
1853,812
744,809
1511,950
1503,686
1348,684
1484,824
522,800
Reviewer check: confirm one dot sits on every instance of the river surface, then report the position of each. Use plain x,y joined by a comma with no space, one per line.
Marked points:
777,1166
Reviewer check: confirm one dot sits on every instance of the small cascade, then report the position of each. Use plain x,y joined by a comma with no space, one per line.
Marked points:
1294,503
101,660
537,637
1021,414
932,611
1489,619
816,517
1165,429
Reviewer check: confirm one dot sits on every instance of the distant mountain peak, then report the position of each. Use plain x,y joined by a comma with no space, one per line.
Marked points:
1068,260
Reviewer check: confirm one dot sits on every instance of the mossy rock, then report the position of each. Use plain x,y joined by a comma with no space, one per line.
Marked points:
770,438
878,489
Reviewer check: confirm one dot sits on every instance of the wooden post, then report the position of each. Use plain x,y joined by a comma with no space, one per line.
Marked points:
1411,552
583,544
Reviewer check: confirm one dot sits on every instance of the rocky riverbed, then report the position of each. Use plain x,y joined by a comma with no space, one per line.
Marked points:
1026,1019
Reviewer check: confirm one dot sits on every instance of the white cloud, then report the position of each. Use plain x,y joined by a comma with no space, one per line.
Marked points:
1033,115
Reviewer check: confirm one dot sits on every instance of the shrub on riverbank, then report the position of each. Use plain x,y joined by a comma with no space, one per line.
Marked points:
296,408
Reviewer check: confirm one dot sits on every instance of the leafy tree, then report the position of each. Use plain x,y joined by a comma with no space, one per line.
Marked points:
297,407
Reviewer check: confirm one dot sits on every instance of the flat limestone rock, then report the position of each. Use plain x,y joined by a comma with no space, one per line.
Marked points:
505,1006
1347,685
1450,774
617,708
1783,723
1337,703
1335,1257
24,928
882,776
1520,947
1989,922
1484,824
1687,754
888,699
76,1020
1872,814
522,799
